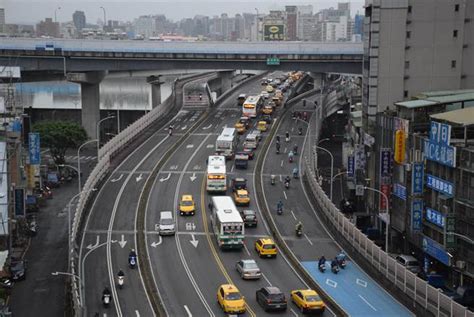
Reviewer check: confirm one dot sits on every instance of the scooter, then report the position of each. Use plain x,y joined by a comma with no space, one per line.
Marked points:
300,131
280,211
287,184
290,159
299,232
106,300
335,269
132,261
322,267
342,264
295,150
272,179
120,280
278,150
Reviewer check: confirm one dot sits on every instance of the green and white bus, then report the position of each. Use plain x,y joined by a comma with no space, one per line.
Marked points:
227,223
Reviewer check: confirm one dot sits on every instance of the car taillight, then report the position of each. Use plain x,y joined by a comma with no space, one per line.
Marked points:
269,301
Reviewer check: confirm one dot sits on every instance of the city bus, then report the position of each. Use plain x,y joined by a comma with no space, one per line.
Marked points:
252,106
227,223
226,143
216,174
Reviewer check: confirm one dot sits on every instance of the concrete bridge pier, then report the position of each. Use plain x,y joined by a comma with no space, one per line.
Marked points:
155,83
90,98
226,80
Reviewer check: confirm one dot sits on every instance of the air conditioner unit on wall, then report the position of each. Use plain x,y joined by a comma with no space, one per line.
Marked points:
461,265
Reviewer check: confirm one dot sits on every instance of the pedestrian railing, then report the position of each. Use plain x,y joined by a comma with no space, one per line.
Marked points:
416,289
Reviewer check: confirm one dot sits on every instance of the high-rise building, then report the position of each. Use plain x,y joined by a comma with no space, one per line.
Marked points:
145,26
306,23
291,22
2,20
79,19
47,28
415,46
358,24
250,27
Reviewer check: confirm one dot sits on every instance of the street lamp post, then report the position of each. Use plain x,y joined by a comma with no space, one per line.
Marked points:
388,214
79,161
322,140
55,16
98,132
332,168
105,17
73,276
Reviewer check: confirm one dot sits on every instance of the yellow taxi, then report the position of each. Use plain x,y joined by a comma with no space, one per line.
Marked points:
187,205
230,299
262,126
242,125
267,109
266,247
308,301
241,197
269,88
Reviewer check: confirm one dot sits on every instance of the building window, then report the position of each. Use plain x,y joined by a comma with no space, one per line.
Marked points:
455,33
453,64
408,34
456,8
409,9
407,64
405,94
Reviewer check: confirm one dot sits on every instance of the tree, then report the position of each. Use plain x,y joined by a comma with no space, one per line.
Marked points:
59,136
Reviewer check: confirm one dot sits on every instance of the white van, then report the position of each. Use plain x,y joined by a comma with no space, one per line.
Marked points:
251,141
167,224
409,262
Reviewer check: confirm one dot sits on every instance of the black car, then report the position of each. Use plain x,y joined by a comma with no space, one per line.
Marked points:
18,270
267,118
271,298
249,217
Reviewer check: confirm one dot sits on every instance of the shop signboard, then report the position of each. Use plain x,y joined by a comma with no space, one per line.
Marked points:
19,202
417,178
440,185
273,32
400,139
435,217
440,133
385,162
443,154
436,250
416,214
350,166
400,191
34,148
384,188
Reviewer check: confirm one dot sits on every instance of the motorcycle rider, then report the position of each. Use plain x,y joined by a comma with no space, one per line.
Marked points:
299,227
105,292
120,273
322,261
295,172
287,136
132,253
334,265
278,147
170,130
295,149
278,138
290,156
341,258
272,179
300,131
287,180
280,205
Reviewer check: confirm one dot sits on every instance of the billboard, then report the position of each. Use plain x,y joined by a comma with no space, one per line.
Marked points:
34,148
417,178
273,32
440,185
399,155
416,215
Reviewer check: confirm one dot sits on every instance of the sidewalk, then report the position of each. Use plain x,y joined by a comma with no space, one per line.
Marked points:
42,293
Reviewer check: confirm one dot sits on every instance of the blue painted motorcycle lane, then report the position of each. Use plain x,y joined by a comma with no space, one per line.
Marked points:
355,291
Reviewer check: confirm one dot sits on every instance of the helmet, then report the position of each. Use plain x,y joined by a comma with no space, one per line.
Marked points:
133,250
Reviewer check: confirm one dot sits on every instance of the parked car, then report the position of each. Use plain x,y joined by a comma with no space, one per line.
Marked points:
271,298
250,217
409,262
248,269
18,270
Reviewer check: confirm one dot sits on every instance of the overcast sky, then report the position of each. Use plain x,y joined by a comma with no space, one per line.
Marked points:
31,11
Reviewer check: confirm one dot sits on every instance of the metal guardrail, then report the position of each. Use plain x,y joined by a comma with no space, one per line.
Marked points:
419,295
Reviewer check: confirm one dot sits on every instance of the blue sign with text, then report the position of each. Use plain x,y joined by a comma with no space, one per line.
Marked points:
417,178
385,162
34,148
436,250
440,185
416,214
350,166
435,217
443,154
440,133
400,191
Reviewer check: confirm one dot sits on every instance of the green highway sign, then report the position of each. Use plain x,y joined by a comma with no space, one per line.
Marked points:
273,61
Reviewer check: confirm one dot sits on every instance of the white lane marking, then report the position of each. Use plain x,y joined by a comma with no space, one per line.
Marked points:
92,246
208,127
247,250
294,313
284,194
165,178
193,178
137,313
293,214
188,311
267,280
139,178
308,239
189,146
117,179
184,128
232,169
361,282
281,164
331,283
281,179
285,150
155,244
367,302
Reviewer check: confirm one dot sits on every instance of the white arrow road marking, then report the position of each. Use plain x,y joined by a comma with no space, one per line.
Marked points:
361,282
367,302
91,246
331,283
194,242
155,244
117,179
173,167
196,167
190,226
184,128
139,178
193,178
208,127
189,146
281,179
165,178
137,313
210,146
232,169
122,242
188,311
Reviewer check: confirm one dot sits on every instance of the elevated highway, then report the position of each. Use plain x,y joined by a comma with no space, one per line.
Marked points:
62,55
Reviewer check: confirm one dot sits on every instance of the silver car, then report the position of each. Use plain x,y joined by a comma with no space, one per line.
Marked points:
248,269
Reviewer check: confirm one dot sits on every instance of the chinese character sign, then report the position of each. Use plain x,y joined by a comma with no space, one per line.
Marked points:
400,191
399,155
443,154
417,178
440,185
440,133
416,214
34,148
350,166
385,162
384,188
273,32
435,217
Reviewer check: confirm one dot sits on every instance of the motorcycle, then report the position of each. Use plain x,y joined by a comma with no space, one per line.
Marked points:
295,150
287,184
272,179
290,159
278,151
106,300
299,232
120,280
132,261
280,211
335,269
300,131
322,267
342,263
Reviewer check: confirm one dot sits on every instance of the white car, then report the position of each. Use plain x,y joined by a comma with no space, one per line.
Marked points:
265,94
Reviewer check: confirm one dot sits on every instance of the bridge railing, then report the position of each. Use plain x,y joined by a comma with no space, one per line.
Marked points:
414,291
